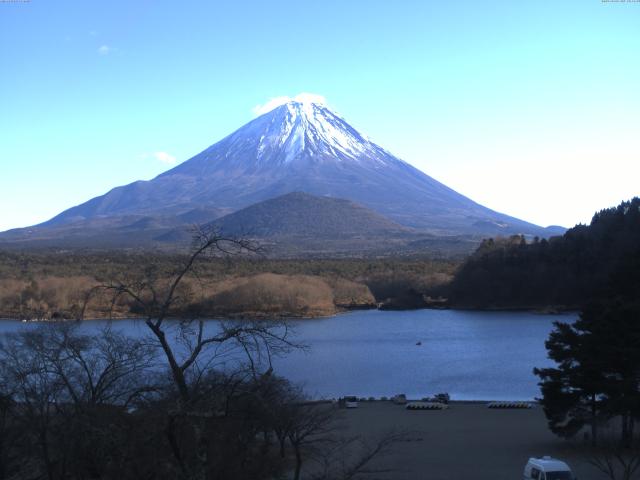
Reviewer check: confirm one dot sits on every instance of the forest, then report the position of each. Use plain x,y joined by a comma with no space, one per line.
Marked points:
560,273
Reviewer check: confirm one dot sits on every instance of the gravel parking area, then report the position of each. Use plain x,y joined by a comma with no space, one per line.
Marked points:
466,441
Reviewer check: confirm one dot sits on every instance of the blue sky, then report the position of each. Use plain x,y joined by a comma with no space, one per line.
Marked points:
529,107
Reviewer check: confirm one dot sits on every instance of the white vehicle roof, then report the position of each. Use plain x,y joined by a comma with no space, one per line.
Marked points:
549,464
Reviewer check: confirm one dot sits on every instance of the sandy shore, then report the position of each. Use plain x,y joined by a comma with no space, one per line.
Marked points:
467,441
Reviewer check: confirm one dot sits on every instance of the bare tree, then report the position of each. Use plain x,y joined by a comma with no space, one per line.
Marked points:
162,297
7,435
348,458
71,395
197,345
615,459
63,385
310,428
107,368
38,393
314,431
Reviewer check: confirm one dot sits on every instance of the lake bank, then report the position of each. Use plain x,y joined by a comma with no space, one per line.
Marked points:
339,310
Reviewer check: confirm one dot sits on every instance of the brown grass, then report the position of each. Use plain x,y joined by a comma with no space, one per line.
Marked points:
45,297
265,294
272,294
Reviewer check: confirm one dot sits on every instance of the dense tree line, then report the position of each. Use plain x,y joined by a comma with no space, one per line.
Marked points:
105,264
561,272
594,389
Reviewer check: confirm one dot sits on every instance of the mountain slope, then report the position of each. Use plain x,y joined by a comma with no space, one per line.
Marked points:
299,224
300,147
301,214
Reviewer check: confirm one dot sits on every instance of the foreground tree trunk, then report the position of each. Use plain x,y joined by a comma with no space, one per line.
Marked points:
296,475
594,421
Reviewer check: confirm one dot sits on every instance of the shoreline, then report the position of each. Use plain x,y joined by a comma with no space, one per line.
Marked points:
542,310
549,310
534,403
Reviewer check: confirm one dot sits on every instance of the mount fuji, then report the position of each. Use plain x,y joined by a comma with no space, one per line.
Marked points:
296,147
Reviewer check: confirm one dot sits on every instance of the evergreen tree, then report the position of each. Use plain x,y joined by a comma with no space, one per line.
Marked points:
598,372
573,393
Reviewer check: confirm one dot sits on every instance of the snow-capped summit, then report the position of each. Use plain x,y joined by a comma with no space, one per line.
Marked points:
300,145
295,132
304,97
314,129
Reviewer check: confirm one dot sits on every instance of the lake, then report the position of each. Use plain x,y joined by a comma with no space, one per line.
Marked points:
471,355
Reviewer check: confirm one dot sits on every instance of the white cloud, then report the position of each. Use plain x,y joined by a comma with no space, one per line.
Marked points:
270,105
305,97
104,50
165,158
277,101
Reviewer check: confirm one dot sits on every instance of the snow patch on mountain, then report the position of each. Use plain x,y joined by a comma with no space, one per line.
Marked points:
304,131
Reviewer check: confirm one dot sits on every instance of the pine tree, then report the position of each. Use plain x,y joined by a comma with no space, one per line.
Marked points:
598,372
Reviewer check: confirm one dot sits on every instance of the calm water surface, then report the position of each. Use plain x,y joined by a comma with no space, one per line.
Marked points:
471,355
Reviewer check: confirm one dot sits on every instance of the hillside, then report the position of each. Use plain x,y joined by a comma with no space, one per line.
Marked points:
564,272
302,215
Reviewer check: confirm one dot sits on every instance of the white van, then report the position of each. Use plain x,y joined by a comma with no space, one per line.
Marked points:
547,468
350,401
